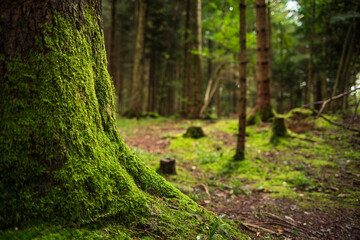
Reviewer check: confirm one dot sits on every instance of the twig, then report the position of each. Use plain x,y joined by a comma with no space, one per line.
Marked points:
146,230
328,100
258,227
334,123
340,125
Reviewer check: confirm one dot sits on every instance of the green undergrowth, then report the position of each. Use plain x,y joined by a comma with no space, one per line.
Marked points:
300,167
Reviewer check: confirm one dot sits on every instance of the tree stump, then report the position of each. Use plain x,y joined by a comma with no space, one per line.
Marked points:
167,166
194,132
279,127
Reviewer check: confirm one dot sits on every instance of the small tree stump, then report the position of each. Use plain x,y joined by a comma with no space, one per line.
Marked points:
194,132
167,166
279,127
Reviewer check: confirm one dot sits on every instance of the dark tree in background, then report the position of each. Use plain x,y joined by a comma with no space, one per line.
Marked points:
240,148
263,104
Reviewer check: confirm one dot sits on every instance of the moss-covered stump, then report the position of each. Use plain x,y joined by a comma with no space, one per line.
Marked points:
300,120
62,160
167,166
298,114
194,132
278,128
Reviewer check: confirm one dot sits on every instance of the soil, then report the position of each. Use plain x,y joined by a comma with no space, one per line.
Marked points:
259,215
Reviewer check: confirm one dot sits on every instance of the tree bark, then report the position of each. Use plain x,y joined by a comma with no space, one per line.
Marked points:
136,90
153,83
240,147
62,159
341,63
309,82
345,73
187,63
192,87
263,104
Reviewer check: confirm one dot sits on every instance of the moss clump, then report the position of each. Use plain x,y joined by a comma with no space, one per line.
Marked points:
299,114
194,132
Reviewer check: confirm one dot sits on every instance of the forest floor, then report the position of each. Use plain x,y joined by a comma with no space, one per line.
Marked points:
304,186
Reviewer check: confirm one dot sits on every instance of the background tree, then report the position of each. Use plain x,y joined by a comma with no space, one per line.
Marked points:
138,68
240,148
263,104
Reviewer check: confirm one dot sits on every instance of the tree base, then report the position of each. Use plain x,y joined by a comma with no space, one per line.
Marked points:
278,128
167,166
239,156
194,132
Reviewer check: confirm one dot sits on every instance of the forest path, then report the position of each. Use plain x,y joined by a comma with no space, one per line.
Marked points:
302,188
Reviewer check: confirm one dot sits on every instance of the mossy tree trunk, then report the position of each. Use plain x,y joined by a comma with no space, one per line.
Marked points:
61,157
240,148
136,89
263,105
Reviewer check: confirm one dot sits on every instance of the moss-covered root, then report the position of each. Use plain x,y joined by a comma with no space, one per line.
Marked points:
278,128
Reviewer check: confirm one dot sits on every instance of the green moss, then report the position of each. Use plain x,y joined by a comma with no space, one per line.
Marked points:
194,132
62,159
299,114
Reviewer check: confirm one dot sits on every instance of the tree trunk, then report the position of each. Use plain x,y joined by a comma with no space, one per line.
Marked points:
153,83
263,104
114,59
196,77
187,64
309,82
341,63
240,147
62,160
345,74
192,87
136,90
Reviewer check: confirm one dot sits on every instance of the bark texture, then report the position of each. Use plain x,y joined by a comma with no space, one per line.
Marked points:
263,104
136,90
192,87
240,147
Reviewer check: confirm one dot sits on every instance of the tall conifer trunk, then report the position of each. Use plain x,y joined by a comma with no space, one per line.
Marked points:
240,148
136,90
263,105
192,86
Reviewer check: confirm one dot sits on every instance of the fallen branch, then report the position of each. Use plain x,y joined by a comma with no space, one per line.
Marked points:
247,225
328,100
341,125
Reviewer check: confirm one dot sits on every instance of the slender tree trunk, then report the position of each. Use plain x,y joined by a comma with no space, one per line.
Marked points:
196,76
136,90
218,103
341,63
240,147
153,83
264,94
187,63
345,74
309,81
268,24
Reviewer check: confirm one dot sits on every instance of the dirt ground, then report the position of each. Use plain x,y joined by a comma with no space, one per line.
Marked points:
262,216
